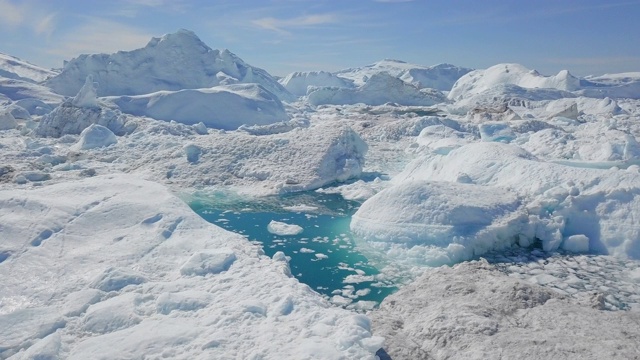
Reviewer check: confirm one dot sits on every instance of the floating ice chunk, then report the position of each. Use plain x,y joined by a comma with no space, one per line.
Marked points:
300,208
283,229
576,243
307,251
208,262
321,256
450,221
95,136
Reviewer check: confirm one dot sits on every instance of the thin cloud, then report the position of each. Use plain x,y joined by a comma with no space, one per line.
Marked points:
280,25
12,15
46,25
98,36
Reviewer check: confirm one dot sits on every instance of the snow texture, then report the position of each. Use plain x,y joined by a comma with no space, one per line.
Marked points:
474,311
297,83
106,268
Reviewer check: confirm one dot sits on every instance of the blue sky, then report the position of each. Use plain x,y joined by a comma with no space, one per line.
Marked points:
281,36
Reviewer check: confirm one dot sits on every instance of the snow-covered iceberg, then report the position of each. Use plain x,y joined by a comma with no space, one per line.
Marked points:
298,82
173,62
559,201
379,89
478,81
440,77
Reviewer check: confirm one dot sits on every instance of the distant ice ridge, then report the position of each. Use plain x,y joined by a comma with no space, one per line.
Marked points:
173,62
440,77
478,81
144,276
13,68
379,89
496,195
298,82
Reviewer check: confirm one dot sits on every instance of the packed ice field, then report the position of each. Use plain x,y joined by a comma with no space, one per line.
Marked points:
502,204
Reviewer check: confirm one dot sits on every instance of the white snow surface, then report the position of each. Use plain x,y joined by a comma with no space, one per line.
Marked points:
173,62
221,107
117,267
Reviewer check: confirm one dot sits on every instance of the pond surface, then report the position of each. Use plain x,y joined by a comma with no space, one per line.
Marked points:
324,255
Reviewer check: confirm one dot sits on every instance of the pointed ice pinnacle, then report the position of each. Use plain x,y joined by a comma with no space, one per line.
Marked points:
87,97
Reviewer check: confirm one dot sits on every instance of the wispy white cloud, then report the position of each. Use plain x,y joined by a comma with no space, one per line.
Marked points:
46,25
11,15
98,36
17,16
281,25
132,8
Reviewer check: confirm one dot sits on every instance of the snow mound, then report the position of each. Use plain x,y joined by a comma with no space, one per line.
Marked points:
453,221
95,136
221,107
379,89
173,62
122,244
297,83
478,81
487,314
283,229
14,68
440,77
